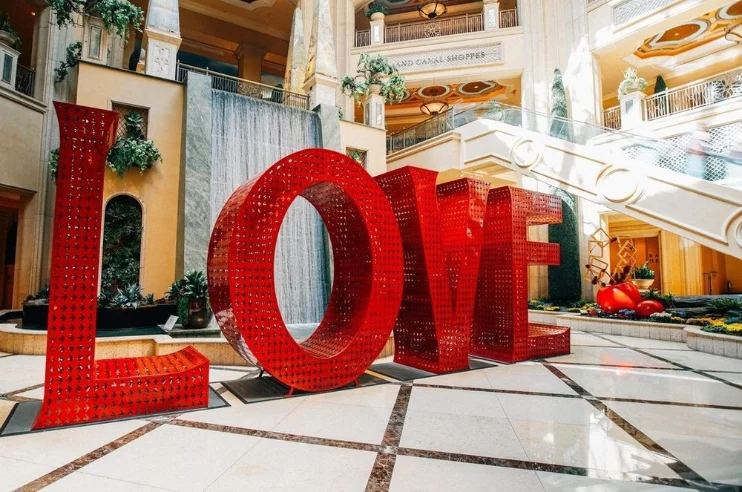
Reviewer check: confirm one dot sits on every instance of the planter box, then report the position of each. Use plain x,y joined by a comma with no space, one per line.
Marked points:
545,317
35,317
627,328
714,343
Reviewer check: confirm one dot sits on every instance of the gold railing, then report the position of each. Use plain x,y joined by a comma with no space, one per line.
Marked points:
712,90
612,118
363,38
411,31
508,18
228,83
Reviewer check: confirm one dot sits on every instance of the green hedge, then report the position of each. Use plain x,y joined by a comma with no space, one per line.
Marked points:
564,280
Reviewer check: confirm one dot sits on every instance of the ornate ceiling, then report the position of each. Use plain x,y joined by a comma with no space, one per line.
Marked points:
451,93
685,37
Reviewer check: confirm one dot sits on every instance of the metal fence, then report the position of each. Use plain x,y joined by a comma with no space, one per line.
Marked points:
228,83
712,90
444,27
670,154
24,80
612,118
508,18
363,38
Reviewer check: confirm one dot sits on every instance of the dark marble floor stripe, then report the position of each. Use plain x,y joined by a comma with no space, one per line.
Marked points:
621,366
279,436
381,473
490,390
670,403
82,461
672,461
546,467
246,370
679,365
22,390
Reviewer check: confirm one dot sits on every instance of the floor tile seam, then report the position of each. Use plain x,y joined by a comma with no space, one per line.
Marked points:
88,458
554,361
700,372
536,466
23,390
277,436
669,403
121,480
501,391
679,467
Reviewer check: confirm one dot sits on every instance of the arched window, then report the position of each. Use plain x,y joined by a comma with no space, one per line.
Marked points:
122,243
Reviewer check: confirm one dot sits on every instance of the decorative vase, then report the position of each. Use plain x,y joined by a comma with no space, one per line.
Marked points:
643,283
377,16
199,319
374,89
7,38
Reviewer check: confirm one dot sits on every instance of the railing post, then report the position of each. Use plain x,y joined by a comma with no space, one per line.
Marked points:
377,29
491,13
632,109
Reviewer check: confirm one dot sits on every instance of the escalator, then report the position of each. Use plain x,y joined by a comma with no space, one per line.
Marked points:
643,178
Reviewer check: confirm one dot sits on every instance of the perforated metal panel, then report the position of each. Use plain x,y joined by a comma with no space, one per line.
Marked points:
442,233
367,285
77,388
501,330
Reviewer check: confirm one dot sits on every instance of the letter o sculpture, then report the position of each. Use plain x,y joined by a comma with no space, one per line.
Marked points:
368,270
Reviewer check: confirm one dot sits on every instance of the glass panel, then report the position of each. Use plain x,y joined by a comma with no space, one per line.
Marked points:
7,67
96,33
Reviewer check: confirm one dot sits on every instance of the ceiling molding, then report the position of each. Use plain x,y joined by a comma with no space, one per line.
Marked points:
195,6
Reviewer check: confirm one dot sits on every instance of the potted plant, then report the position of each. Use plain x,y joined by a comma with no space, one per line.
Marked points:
376,11
376,75
191,295
7,33
643,277
134,150
631,83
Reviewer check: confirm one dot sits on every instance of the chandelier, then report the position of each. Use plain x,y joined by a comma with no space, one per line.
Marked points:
434,107
733,32
432,10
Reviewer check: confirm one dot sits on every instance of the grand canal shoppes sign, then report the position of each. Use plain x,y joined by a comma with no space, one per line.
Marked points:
444,267
467,56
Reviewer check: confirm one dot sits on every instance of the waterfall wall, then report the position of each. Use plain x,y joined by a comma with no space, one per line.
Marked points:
248,136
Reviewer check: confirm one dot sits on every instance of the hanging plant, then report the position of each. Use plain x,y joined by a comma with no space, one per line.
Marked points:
117,15
375,74
134,150
72,58
53,164
631,83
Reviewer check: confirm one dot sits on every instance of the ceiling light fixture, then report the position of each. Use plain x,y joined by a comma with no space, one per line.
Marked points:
432,10
434,107
733,33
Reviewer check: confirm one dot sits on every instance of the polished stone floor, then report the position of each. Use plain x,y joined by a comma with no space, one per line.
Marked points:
618,413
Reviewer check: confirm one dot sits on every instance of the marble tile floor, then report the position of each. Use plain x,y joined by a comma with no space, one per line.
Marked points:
617,414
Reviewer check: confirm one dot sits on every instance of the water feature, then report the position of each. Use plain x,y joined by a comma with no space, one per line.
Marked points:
248,136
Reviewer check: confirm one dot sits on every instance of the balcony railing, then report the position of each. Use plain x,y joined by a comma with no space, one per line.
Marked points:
508,18
228,83
445,27
411,31
363,38
709,91
24,80
631,9
612,118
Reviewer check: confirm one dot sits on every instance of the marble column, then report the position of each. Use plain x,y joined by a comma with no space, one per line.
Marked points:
632,110
196,182
377,31
321,78
250,62
491,13
296,62
162,38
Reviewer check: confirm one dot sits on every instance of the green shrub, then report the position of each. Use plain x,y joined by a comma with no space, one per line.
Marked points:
643,272
667,300
725,304
565,281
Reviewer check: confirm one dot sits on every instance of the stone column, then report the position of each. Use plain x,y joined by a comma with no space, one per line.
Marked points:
321,78
632,110
377,29
296,62
491,13
374,111
162,38
250,62
195,210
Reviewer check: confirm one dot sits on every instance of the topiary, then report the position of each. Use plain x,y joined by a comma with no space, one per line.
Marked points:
660,85
565,283
559,113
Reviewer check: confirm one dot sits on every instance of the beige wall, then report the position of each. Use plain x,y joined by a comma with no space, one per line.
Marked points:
372,140
21,121
157,188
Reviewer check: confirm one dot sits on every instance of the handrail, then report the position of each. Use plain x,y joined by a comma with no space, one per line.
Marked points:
661,153
698,93
245,87
410,31
24,80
